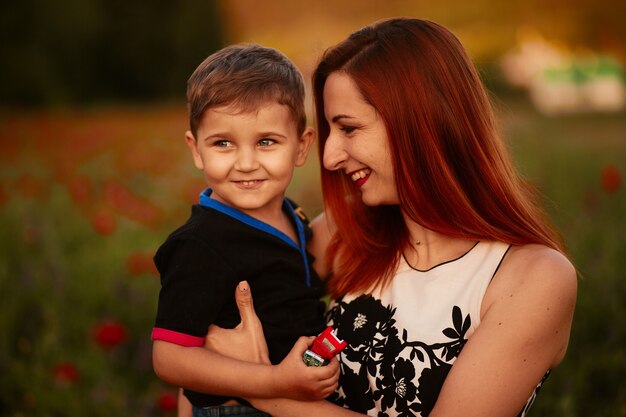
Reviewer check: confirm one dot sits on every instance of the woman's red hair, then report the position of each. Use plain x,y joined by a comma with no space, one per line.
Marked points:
453,173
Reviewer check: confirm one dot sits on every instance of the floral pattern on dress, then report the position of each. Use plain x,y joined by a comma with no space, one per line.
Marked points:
385,372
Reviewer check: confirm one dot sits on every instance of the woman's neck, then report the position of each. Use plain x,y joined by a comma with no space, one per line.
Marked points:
427,248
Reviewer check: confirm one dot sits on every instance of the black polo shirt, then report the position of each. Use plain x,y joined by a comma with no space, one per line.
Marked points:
202,262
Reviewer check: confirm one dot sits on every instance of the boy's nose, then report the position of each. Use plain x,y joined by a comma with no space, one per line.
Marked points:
246,160
334,154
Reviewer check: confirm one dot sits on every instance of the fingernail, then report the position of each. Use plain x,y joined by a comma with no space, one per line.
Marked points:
243,286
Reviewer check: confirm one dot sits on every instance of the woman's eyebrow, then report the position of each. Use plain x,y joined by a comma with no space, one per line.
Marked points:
341,116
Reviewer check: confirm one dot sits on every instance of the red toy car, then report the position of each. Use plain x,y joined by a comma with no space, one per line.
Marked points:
324,347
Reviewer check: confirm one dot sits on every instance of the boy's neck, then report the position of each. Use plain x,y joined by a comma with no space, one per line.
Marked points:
279,220
275,217
284,224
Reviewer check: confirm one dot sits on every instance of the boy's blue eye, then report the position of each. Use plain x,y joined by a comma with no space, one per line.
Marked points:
266,142
222,143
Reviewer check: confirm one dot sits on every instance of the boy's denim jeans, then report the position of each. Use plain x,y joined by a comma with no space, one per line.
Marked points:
228,410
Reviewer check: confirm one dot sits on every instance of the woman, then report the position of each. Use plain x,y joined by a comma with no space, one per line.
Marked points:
447,281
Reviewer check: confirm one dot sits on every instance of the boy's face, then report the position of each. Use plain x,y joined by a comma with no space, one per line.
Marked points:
248,158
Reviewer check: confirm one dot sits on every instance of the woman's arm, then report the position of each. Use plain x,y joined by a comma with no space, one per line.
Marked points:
282,407
183,406
525,324
323,229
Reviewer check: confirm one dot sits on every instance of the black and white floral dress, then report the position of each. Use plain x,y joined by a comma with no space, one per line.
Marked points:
403,340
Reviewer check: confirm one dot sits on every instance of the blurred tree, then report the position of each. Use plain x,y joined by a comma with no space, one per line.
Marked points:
82,51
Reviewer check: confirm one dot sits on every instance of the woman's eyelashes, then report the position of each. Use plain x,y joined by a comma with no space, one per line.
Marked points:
347,129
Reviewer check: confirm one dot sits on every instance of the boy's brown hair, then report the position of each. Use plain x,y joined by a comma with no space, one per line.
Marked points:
245,76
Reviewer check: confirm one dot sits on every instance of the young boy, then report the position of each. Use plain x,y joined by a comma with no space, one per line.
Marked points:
247,134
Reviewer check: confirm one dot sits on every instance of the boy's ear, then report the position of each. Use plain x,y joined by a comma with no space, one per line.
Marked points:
304,146
192,144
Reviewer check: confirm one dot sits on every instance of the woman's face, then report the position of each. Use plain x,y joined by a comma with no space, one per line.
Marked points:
357,143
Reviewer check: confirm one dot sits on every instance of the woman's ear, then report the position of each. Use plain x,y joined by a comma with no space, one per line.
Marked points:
192,144
306,140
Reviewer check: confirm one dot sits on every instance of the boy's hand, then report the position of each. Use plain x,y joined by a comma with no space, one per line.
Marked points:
292,378
301,382
246,342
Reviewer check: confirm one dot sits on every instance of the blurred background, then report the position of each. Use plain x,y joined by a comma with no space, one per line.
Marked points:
94,173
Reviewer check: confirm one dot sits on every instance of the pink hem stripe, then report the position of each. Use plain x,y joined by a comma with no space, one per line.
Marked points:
177,338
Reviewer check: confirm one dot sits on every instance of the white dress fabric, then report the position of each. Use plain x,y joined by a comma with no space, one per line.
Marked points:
403,340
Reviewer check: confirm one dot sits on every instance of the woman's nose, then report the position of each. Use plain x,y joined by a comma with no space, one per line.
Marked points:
334,153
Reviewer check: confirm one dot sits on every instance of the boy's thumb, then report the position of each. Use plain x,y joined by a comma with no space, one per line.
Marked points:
303,343
243,297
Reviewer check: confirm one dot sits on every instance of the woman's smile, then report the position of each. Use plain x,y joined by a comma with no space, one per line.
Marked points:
360,177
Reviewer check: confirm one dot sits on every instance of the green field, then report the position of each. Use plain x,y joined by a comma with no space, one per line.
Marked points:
87,196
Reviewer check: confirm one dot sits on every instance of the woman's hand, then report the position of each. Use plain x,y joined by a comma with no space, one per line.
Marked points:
292,378
246,342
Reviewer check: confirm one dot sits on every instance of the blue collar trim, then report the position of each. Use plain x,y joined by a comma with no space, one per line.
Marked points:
207,201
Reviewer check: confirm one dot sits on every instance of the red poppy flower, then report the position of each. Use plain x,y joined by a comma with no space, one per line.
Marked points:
167,401
103,222
139,263
611,179
65,372
109,334
79,188
124,201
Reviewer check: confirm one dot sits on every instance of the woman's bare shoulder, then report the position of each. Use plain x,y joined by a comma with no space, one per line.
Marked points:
536,286
529,263
532,268
535,272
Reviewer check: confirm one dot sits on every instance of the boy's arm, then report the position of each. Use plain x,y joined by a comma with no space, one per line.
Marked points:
204,370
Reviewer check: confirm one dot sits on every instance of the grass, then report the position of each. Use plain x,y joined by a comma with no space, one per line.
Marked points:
85,196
